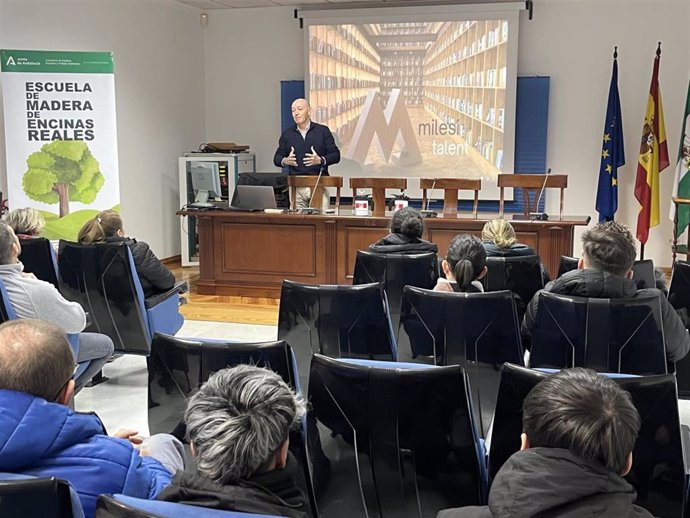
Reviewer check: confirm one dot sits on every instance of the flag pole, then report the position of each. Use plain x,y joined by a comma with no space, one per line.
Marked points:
641,251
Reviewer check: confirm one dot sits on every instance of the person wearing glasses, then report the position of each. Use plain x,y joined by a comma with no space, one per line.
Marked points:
41,436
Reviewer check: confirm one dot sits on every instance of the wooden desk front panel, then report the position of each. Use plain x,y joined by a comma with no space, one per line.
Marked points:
250,254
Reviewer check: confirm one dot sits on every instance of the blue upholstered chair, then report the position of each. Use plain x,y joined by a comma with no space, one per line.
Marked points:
337,321
658,473
606,335
7,313
394,449
38,257
103,279
26,496
121,506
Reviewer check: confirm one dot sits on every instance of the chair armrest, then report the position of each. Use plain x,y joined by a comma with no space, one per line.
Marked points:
156,299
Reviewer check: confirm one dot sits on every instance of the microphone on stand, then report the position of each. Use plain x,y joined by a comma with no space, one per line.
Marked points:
426,213
540,216
310,209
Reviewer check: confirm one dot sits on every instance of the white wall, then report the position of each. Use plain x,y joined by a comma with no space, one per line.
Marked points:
159,88
570,40
248,52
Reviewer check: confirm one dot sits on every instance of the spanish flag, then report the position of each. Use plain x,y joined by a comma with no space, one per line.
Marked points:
653,158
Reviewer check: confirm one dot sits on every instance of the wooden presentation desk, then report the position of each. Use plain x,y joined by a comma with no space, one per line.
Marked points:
250,253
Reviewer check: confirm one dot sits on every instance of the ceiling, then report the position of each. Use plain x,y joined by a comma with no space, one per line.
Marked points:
208,5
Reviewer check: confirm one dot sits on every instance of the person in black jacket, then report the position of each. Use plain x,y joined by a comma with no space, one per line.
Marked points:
306,149
407,227
605,272
579,430
106,227
499,240
238,424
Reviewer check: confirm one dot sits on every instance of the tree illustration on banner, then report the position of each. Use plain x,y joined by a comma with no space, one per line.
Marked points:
63,171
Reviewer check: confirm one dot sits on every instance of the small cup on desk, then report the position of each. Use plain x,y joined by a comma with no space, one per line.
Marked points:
399,203
361,206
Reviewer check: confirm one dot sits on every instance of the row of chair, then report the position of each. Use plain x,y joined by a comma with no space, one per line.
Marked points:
103,279
398,439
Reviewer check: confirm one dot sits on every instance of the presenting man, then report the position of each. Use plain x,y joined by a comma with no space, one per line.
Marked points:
306,149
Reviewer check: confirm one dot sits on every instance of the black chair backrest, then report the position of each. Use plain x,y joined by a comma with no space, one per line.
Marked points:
607,335
109,507
567,264
177,367
37,258
657,473
475,330
101,278
643,270
396,271
35,497
337,321
522,275
679,297
393,447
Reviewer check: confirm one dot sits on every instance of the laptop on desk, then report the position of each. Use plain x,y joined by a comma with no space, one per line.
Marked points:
253,198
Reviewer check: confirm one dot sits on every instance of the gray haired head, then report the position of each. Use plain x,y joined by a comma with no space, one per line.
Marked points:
7,239
238,420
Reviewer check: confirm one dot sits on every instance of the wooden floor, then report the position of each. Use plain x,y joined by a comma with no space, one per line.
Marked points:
244,310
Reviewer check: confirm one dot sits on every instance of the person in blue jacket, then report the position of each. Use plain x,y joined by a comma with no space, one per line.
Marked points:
306,148
41,436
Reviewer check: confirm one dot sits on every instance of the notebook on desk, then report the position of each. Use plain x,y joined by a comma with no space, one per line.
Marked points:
253,198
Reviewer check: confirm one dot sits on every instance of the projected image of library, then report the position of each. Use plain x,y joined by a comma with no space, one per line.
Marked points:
414,99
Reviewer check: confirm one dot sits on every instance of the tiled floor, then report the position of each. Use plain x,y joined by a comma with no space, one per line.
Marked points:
121,402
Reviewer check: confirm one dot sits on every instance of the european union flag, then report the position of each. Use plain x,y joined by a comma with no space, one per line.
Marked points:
612,152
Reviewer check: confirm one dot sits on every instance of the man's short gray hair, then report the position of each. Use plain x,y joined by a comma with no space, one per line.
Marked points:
238,419
35,357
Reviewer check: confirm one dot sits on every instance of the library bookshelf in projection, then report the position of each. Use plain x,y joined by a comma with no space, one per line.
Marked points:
454,79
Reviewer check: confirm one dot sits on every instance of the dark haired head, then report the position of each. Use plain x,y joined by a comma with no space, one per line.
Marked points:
584,412
466,259
408,221
609,247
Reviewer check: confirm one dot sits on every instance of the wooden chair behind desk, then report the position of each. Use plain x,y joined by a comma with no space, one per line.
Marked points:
378,188
450,187
295,181
532,185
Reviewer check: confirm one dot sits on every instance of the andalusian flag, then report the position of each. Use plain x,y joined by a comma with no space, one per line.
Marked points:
681,188
653,158
612,152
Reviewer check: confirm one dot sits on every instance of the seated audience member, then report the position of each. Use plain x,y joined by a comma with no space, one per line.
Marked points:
106,227
499,240
238,425
464,265
407,227
26,223
41,436
579,430
605,271
33,298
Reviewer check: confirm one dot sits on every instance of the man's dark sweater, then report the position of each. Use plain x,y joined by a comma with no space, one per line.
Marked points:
319,137
603,285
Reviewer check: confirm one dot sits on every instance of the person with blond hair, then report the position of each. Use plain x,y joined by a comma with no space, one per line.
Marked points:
27,223
499,240
106,227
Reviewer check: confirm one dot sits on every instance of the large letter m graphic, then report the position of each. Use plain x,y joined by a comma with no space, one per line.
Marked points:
387,126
